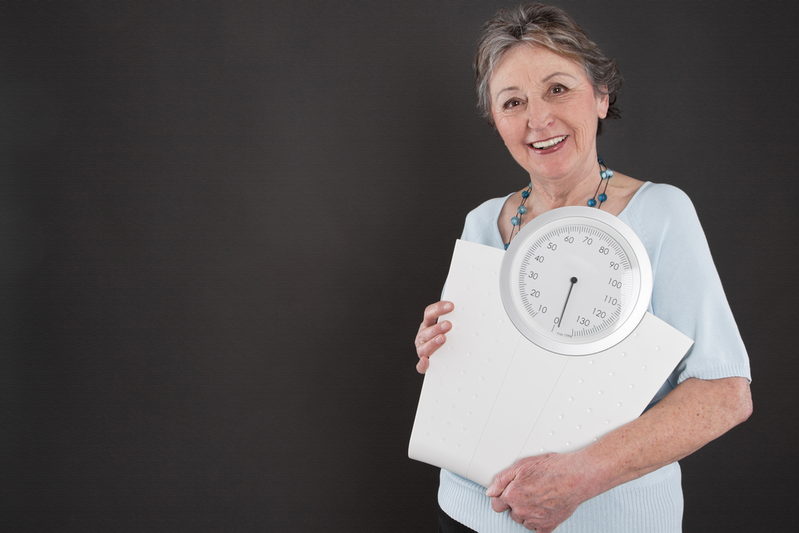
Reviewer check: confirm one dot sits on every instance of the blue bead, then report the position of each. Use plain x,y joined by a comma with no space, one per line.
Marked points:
599,159
506,246
525,194
591,202
603,174
610,173
515,221
603,197
522,210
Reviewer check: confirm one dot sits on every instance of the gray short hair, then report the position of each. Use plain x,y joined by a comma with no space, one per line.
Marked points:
550,28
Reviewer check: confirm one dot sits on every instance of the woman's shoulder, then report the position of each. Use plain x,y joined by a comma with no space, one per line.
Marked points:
662,199
664,191
488,209
661,213
481,222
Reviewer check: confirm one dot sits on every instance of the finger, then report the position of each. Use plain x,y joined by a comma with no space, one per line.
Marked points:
516,518
426,350
500,483
499,506
429,339
434,311
423,365
431,335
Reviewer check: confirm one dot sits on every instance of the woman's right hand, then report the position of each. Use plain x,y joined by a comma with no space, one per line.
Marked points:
432,333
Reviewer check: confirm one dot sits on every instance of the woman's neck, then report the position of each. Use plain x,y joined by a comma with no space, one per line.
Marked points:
551,194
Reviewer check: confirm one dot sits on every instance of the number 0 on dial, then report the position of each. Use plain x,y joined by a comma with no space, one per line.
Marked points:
576,281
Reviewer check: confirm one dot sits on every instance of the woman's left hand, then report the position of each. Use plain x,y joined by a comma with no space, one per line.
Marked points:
540,492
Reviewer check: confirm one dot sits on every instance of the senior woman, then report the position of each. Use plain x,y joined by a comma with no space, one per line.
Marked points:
546,88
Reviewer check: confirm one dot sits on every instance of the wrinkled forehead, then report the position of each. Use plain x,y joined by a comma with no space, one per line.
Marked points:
533,63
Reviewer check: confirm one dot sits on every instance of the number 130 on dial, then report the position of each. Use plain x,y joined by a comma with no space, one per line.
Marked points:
576,281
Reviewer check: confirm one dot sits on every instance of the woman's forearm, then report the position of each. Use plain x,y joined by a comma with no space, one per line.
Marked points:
693,414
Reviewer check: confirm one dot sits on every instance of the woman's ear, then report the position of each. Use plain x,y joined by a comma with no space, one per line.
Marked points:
603,102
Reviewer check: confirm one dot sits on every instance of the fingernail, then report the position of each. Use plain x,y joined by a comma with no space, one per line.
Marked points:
440,339
445,326
447,306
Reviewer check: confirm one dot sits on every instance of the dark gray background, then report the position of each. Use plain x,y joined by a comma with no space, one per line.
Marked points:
221,222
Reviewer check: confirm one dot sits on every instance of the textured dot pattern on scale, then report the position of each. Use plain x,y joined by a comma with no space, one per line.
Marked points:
491,397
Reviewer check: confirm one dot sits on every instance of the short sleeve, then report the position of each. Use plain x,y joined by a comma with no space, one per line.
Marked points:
687,290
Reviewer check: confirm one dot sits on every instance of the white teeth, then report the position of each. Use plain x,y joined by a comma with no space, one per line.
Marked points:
548,144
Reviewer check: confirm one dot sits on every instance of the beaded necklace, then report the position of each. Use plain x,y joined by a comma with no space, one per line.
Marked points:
596,201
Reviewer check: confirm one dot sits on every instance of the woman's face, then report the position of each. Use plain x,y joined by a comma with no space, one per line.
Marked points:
545,109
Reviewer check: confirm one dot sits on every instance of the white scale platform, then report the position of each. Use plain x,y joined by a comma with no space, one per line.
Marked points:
491,397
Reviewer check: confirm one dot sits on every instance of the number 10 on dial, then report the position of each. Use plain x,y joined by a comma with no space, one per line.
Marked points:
576,281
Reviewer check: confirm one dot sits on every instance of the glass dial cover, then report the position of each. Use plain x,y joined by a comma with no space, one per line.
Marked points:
576,280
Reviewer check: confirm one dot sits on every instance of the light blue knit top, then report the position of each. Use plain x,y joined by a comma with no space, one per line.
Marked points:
688,295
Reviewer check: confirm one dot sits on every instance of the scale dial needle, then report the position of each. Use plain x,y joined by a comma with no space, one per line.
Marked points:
573,280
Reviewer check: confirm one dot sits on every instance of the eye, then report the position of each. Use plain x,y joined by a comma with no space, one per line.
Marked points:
557,89
513,102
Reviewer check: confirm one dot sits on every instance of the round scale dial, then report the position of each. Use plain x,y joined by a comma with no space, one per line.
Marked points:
576,280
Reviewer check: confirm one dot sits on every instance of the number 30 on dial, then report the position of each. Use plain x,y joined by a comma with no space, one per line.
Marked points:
576,281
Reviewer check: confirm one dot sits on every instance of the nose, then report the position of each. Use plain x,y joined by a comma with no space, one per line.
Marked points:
538,116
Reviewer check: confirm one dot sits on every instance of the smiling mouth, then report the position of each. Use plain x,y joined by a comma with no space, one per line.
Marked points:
549,143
